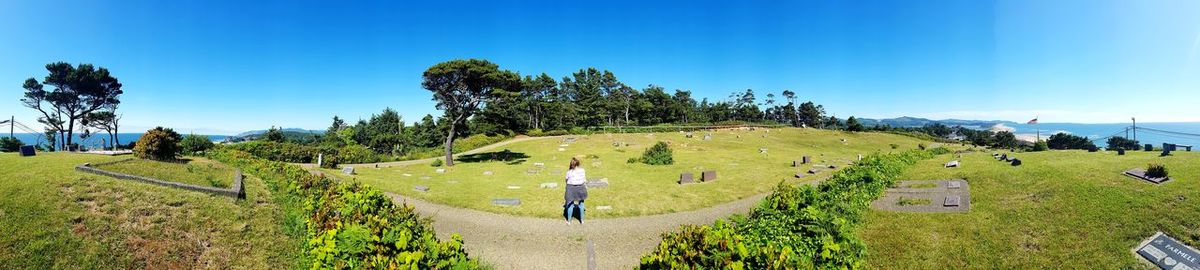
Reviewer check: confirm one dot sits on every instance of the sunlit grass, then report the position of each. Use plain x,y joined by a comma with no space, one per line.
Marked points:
1060,209
193,170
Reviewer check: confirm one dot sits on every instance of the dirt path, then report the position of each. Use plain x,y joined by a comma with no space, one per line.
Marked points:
511,242
428,160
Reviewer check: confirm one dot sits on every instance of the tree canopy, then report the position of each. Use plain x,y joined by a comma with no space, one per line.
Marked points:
76,92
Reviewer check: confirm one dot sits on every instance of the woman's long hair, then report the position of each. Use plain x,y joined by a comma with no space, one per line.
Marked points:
574,163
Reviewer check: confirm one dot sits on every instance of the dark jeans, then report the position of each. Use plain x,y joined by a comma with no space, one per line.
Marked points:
573,209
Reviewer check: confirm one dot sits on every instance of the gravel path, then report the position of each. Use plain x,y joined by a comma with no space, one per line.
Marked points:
511,242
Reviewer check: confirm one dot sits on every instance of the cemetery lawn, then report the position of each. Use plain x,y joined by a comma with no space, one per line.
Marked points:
634,189
192,170
54,217
1060,209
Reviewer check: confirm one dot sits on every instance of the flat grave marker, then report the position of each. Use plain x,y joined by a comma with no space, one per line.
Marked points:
506,202
604,207
440,170
513,187
1167,253
952,164
348,170
954,185
951,201
407,175
487,172
1141,174
548,185
421,188
707,176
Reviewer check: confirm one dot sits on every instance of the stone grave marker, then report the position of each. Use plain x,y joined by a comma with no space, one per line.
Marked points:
951,201
563,145
406,175
560,149
801,175
762,150
513,187
806,159
348,170
27,151
441,170
487,172
707,176
797,163
604,207
952,164
548,185
812,171
686,178
506,202
688,135
1167,253
860,157
596,184
707,137
421,188
539,164
1016,162
954,185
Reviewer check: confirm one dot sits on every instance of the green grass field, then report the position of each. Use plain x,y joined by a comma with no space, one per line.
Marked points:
54,218
1060,209
193,170
635,189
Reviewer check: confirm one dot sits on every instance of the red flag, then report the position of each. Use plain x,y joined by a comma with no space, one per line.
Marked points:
1032,122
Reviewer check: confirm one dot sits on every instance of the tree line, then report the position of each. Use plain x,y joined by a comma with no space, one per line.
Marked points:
80,97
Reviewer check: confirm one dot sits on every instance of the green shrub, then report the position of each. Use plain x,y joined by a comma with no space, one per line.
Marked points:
193,144
1115,143
9,144
158,144
795,227
1062,141
659,154
282,152
894,146
349,225
437,163
356,154
1156,171
632,160
1040,146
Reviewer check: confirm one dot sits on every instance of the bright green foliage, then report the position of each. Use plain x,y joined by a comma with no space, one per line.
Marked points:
1156,171
351,225
659,154
273,134
9,144
794,227
296,153
158,144
437,163
1040,146
193,144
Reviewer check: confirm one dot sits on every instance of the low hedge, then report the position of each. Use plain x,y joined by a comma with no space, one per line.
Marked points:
794,227
296,153
352,225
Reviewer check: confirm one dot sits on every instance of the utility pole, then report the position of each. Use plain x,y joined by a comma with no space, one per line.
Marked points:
12,122
1134,128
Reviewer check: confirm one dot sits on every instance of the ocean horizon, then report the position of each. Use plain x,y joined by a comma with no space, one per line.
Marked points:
96,140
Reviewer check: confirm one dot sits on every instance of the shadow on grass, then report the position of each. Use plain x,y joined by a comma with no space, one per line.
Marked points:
509,157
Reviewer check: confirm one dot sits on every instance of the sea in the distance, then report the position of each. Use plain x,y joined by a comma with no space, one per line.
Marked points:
95,140
1152,133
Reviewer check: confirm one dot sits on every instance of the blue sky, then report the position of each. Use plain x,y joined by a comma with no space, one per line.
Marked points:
222,67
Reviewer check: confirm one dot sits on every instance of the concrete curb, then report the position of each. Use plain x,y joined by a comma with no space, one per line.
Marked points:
236,190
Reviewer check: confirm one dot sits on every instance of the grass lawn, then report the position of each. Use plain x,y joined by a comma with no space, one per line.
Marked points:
1060,209
193,170
635,189
55,218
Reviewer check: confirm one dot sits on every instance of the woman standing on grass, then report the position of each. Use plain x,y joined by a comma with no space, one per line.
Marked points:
576,192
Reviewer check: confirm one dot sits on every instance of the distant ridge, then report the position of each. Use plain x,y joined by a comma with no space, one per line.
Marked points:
295,130
908,121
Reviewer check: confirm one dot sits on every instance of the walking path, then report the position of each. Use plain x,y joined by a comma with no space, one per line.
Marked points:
512,242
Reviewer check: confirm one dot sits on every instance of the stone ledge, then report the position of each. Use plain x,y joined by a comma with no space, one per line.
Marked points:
236,190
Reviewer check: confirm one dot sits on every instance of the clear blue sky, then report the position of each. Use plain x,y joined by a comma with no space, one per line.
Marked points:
226,66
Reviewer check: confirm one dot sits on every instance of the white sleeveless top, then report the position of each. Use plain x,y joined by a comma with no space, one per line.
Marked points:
576,176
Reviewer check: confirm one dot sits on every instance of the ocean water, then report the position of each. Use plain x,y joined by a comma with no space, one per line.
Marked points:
95,140
1100,132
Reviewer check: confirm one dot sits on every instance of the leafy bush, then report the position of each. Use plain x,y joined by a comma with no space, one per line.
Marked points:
158,144
295,153
1040,146
1149,147
354,154
352,225
659,154
800,227
1156,171
9,144
437,163
1115,143
1062,141
194,144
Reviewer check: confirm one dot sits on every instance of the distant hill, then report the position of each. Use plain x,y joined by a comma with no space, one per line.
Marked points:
907,121
290,134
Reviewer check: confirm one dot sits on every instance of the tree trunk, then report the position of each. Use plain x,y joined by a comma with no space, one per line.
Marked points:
70,132
450,145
